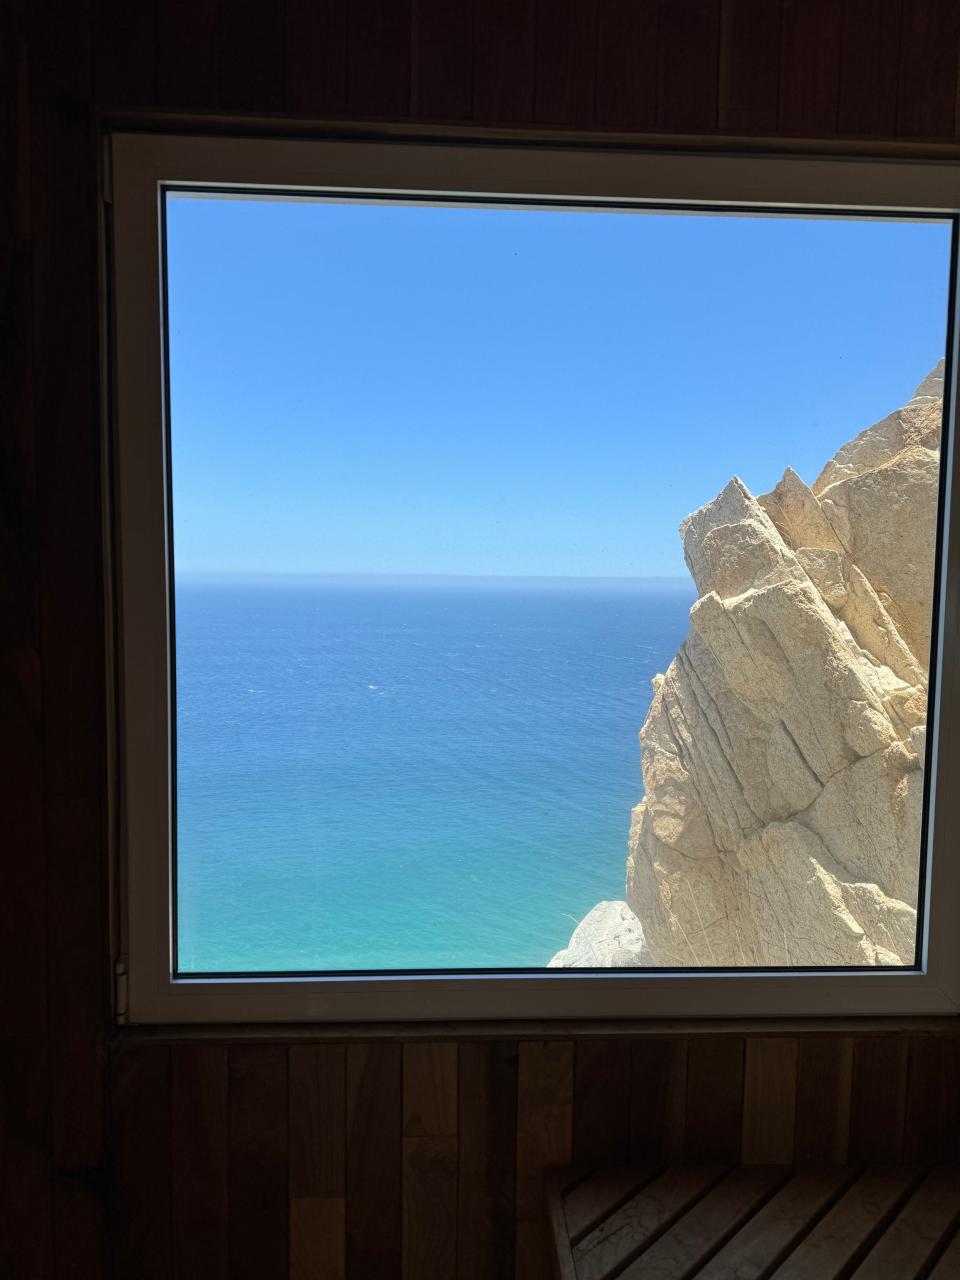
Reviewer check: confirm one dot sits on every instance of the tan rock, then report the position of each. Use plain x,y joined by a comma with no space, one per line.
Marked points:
795,510
608,937
825,570
886,518
783,751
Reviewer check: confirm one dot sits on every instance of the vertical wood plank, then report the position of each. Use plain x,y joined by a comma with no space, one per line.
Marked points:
141,1216
69,594
810,67
824,1084
878,1099
929,48
259,1227
715,1066
200,1190
442,87
932,1117
487,1173
188,61
688,65
544,1119
318,1117
535,1252
429,1088
503,67
626,63
658,1100
26,1208
749,78
315,57
378,58
317,1238
251,55
869,68
317,1127
769,1100
601,1102
125,44
374,1154
566,39
429,1207
430,1155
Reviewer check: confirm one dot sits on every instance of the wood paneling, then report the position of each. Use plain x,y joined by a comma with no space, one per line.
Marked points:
714,1105
658,1091
626,73
809,67
503,61
141,1203
544,1140
769,1101
931,1129
317,1136
749,79
374,1159
688,65
125,48
26,1209
442,61
878,1099
315,57
824,1084
192,1155
251,55
927,92
601,1117
199,1162
869,68
318,1120
429,1207
188,54
71,877
259,1161
566,39
428,1158
378,58
486,1214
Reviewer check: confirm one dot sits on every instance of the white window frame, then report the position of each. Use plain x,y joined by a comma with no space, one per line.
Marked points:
141,165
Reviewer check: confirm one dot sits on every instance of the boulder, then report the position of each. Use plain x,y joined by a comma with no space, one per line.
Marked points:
608,937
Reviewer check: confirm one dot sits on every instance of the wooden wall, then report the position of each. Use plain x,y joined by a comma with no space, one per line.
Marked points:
424,1158
142,1161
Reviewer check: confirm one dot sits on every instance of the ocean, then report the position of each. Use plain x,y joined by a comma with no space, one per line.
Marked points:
407,774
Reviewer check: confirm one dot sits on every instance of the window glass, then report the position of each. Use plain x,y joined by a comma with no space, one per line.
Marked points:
552,586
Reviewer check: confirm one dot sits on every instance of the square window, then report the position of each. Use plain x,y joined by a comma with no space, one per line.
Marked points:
532,594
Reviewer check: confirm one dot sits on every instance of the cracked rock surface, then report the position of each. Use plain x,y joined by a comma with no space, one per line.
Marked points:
782,755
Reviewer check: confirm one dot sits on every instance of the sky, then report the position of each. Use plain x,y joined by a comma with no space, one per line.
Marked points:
380,389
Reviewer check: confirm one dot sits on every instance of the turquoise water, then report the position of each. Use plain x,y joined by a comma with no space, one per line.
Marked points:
392,775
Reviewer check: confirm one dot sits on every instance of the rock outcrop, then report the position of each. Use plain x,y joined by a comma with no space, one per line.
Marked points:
783,752
608,937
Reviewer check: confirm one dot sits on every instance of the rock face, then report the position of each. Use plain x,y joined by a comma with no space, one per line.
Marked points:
608,937
782,755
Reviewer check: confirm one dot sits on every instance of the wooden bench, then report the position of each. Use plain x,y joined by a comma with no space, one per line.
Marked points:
751,1222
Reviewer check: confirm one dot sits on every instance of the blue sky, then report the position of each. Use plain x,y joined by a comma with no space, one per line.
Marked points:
382,389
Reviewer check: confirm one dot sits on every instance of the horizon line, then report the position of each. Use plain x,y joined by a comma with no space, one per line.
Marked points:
268,575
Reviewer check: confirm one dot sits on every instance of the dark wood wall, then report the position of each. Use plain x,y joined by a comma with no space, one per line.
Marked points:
424,1158
196,1159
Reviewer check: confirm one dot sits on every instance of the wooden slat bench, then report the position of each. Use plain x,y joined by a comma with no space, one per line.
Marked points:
754,1222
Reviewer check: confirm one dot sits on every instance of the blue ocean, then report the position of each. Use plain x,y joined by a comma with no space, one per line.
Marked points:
407,774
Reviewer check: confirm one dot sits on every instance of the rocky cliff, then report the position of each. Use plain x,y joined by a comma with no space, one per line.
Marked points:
783,752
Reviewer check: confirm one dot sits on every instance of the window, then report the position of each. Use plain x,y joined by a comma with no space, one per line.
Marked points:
403,437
